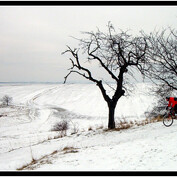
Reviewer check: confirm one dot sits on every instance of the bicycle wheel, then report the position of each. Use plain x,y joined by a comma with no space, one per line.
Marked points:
167,120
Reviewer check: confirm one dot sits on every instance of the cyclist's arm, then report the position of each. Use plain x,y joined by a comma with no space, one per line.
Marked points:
169,104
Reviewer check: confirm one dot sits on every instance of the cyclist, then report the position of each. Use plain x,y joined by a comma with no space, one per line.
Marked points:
172,103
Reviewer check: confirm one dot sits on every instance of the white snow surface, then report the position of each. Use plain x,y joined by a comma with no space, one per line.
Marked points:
26,131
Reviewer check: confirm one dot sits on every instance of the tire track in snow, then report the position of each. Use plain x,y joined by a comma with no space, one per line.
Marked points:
33,106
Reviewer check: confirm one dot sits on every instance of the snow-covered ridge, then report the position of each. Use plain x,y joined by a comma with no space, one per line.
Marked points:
25,128
85,99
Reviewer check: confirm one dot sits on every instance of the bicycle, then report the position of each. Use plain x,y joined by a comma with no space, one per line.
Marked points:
168,117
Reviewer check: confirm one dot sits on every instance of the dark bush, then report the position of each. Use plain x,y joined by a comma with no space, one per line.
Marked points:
62,127
6,100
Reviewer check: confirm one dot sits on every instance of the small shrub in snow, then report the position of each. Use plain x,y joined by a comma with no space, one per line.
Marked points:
62,127
75,128
6,100
123,125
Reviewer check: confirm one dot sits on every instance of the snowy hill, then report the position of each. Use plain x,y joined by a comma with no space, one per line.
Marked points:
26,138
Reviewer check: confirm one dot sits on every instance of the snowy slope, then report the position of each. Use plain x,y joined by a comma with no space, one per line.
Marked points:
25,130
85,99
144,148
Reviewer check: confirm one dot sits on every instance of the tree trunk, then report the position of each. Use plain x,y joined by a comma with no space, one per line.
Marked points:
111,122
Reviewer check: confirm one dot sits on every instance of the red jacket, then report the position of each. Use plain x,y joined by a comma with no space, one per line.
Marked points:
172,102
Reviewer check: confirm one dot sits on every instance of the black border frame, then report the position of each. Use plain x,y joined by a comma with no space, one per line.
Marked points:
88,173
88,3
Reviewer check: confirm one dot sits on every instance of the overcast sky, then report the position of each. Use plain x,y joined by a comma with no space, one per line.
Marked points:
32,38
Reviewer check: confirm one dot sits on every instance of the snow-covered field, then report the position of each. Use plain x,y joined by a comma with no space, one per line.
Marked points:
27,141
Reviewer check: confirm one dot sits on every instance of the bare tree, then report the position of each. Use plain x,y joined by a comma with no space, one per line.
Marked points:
117,53
162,54
6,100
162,65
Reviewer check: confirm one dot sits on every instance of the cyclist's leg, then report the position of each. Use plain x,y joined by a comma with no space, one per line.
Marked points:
175,109
172,112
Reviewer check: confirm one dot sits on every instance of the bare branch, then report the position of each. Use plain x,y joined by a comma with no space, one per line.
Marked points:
162,54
